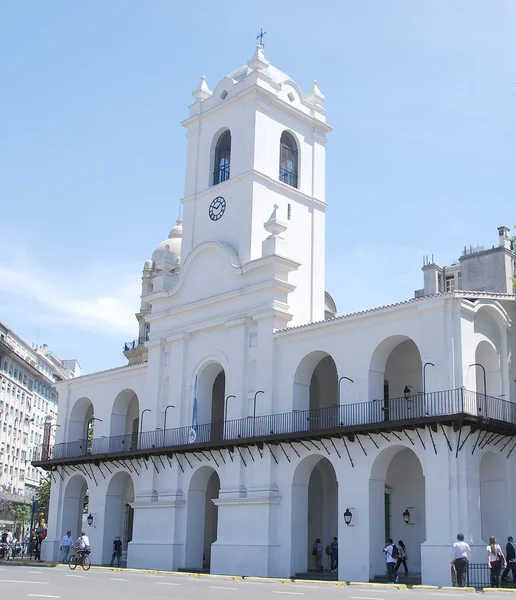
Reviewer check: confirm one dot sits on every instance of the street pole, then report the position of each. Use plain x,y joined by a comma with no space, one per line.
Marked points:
424,374
254,408
31,525
165,421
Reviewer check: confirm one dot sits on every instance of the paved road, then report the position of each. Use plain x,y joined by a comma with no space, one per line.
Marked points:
31,583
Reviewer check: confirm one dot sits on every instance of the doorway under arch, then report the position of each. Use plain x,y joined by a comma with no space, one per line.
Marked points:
314,510
118,514
396,484
202,518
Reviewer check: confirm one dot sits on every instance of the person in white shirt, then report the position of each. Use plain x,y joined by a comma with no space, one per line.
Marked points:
66,546
495,558
82,542
459,558
391,561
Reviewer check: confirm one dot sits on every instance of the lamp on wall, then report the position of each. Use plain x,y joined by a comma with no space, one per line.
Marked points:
348,515
90,520
406,515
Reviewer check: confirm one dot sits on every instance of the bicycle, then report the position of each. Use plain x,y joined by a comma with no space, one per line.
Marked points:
79,558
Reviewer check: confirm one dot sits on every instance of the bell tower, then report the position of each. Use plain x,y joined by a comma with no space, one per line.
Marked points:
255,159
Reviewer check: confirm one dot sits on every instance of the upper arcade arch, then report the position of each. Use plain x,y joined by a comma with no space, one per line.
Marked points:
395,367
316,382
125,414
81,419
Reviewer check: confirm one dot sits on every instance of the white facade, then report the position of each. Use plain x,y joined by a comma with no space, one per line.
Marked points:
298,419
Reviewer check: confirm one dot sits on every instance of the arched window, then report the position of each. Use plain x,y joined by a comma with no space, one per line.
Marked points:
288,159
222,158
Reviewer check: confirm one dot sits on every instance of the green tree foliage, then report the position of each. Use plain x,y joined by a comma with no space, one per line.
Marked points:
21,515
43,494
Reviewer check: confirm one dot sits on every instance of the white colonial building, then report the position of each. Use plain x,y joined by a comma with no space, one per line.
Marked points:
251,419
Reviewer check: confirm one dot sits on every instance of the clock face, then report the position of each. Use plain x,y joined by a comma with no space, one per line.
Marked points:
217,208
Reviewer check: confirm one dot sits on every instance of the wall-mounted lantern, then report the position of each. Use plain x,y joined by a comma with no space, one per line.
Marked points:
348,516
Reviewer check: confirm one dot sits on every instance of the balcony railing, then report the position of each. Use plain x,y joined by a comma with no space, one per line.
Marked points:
363,416
128,346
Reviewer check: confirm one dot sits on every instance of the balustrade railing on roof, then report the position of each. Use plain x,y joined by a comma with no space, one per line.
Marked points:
413,409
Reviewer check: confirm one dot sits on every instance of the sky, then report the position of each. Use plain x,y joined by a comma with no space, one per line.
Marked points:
422,159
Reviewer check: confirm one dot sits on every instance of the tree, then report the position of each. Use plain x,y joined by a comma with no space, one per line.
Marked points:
21,514
43,493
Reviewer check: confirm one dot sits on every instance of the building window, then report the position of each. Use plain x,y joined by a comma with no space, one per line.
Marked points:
288,159
450,283
222,160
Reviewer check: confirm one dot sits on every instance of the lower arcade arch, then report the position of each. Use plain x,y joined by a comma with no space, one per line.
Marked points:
201,518
314,510
75,505
118,514
396,485
493,497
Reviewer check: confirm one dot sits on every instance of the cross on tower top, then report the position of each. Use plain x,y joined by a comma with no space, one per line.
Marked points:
261,35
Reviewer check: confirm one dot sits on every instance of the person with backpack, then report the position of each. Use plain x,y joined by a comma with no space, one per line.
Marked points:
391,557
402,558
317,553
117,551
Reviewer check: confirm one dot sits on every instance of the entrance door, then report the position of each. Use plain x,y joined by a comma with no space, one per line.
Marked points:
387,516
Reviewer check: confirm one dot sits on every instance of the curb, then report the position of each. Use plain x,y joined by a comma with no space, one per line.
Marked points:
468,590
399,586
498,590
32,564
320,582
425,587
270,579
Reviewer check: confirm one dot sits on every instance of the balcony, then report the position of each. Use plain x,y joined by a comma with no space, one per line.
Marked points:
128,346
457,407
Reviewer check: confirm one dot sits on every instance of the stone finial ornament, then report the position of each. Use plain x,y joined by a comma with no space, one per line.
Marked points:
202,91
258,62
315,96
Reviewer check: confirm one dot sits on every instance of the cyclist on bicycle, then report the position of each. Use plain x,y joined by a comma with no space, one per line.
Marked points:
82,544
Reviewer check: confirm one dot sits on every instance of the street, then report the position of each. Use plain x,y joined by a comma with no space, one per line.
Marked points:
17,583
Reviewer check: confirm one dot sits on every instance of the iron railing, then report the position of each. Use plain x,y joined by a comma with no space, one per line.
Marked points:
348,417
135,343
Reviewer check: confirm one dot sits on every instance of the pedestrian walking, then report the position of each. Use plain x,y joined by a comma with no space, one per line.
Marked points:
317,551
334,546
391,557
117,551
66,546
510,555
459,559
402,558
495,560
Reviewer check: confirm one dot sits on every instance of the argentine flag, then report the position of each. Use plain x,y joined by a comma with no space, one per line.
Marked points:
195,423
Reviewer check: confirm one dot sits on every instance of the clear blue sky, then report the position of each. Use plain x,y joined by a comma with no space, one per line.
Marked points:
422,159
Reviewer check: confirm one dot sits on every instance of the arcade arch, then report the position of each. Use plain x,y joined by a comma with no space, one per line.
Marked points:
201,518
118,513
314,510
74,505
493,497
487,362
81,424
210,393
125,422
396,484
316,382
395,373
